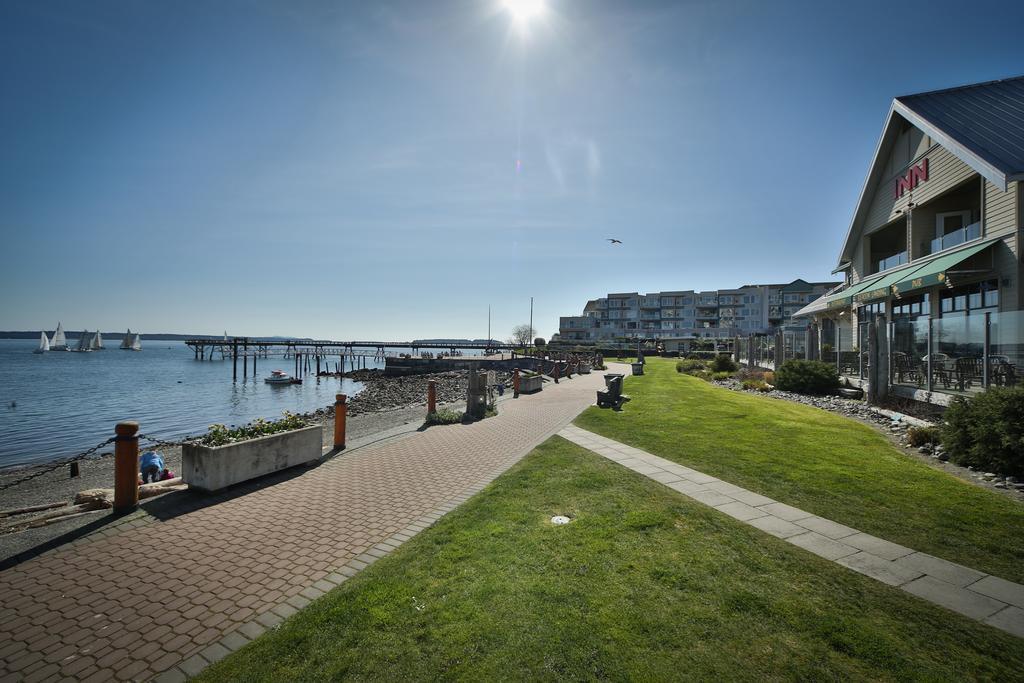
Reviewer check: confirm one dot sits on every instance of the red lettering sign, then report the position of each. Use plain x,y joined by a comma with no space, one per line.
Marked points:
915,176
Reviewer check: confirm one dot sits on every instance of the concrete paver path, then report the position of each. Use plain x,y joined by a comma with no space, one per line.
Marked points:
989,599
180,584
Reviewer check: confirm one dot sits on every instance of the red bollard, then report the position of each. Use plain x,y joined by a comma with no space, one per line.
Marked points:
431,396
126,467
340,412
515,383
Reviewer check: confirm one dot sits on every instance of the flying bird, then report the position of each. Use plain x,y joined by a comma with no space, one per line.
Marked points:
613,240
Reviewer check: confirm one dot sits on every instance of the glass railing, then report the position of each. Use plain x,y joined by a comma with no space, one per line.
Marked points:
892,261
971,232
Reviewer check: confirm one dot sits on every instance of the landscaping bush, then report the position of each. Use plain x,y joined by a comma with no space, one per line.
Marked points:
769,377
756,385
689,365
724,363
919,436
444,416
987,432
807,377
718,376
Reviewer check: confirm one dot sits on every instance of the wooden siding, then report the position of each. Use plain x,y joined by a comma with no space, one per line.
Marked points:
1000,210
945,171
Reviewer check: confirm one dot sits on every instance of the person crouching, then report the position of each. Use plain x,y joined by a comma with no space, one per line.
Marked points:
151,465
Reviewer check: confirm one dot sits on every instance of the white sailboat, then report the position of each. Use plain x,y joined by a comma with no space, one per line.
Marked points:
97,342
84,342
131,342
44,344
59,343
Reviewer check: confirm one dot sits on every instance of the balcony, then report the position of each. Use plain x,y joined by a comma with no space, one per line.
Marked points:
965,234
891,261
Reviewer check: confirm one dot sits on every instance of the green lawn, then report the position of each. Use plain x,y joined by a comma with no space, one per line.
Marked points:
818,461
644,584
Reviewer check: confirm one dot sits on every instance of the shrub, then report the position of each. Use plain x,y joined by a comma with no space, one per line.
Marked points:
719,376
987,431
756,385
724,363
444,416
807,377
919,436
769,377
690,365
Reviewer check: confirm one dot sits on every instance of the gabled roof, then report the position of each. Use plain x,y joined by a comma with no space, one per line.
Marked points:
982,124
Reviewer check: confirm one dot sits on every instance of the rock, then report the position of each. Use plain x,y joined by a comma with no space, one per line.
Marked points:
924,449
989,475
1000,485
942,456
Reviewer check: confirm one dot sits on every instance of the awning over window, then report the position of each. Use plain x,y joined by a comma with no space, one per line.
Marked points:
880,289
935,272
845,298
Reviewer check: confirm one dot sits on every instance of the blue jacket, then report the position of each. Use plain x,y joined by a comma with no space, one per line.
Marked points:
150,458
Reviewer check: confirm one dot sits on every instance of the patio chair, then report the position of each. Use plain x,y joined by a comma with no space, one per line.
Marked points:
905,368
968,371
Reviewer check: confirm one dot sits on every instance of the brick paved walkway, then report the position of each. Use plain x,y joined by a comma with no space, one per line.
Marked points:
187,578
989,599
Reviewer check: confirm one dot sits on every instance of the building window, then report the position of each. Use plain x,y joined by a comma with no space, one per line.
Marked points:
911,307
978,297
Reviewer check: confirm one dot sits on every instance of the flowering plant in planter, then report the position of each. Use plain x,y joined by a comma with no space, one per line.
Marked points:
219,435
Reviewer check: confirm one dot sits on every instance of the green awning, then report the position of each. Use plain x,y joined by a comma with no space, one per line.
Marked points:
880,289
934,272
845,298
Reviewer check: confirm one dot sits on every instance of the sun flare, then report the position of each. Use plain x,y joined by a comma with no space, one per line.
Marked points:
523,11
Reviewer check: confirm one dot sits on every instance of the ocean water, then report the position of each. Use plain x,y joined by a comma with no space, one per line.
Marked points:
67,402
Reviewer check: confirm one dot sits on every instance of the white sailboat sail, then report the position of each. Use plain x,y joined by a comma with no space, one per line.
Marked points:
84,341
136,342
44,344
126,343
97,342
59,342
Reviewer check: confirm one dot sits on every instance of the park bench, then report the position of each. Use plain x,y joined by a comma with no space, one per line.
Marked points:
612,397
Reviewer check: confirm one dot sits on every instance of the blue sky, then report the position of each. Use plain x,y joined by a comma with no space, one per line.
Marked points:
349,170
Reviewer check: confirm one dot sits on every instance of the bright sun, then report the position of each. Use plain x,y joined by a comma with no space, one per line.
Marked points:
524,10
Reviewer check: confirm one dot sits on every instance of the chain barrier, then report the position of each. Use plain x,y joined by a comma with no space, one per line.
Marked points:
165,443
45,469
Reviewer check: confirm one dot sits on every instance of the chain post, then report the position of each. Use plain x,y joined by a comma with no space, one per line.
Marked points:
431,396
340,412
126,466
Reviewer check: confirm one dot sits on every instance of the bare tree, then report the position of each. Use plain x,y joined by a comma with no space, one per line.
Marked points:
522,335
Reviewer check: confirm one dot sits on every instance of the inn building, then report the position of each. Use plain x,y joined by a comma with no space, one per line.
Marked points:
930,304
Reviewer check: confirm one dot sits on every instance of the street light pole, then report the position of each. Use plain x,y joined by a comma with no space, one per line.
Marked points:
531,319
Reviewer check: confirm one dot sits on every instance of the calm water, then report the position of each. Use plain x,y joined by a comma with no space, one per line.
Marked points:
67,402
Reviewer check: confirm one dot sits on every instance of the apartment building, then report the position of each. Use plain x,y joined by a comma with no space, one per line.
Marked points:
932,257
750,309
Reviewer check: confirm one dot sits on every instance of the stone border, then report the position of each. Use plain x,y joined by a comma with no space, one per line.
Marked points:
970,592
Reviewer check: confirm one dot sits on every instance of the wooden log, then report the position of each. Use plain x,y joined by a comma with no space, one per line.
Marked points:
32,508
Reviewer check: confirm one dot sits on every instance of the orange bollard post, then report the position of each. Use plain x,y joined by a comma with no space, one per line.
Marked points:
126,466
431,396
340,412
515,383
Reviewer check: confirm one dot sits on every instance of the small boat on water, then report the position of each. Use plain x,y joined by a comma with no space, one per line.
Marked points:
131,342
59,342
280,377
44,344
96,344
84,342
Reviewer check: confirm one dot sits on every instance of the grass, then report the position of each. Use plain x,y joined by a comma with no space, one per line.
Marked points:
643,584
818,461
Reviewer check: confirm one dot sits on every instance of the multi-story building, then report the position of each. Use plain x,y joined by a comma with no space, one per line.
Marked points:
751,309
932,257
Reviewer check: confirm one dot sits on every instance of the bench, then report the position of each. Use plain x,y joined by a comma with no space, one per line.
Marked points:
612,398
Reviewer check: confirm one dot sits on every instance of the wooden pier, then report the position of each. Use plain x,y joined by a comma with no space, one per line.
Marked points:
316,355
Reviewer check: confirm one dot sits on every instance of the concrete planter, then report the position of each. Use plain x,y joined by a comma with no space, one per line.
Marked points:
638,368
585,368
529,385
211,468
